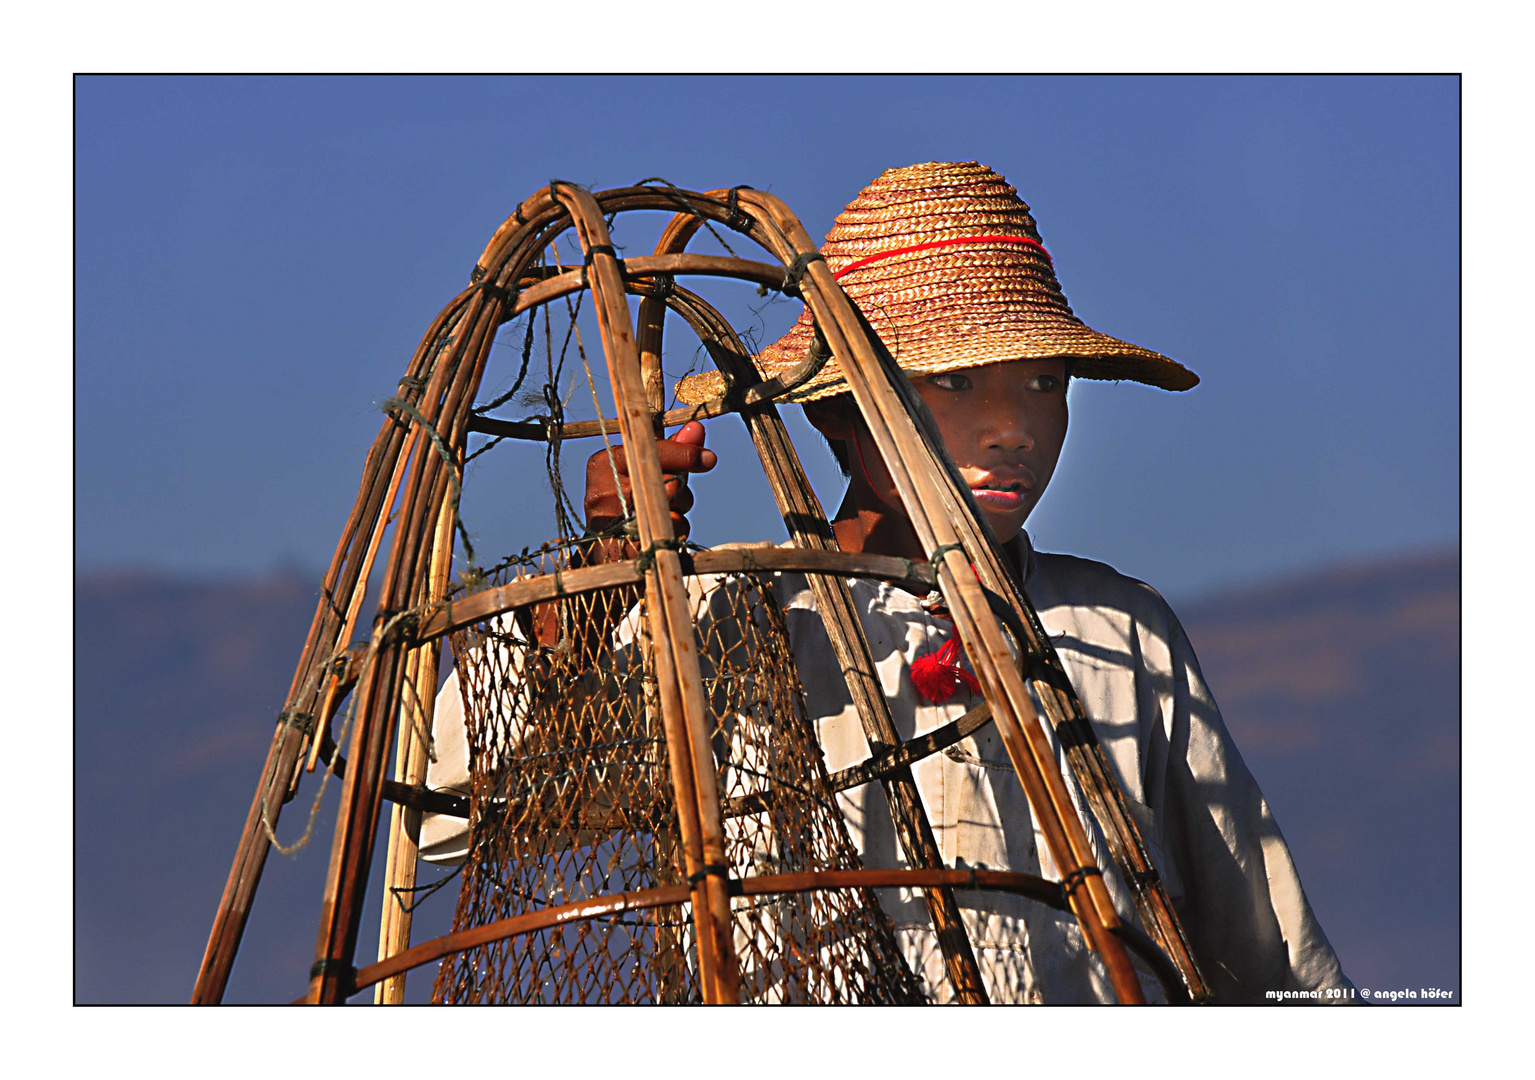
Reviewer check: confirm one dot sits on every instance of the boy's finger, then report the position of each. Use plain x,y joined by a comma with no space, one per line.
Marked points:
692,434
598,463
679,496
685,457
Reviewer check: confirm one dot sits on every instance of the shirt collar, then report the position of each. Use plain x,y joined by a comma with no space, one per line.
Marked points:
1027,547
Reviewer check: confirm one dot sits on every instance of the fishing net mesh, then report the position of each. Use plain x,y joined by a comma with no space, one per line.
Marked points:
571,799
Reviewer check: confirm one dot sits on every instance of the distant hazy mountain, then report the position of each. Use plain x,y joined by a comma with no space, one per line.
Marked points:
1340,686
177,687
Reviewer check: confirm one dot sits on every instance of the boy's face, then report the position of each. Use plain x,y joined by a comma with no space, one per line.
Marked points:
1004,426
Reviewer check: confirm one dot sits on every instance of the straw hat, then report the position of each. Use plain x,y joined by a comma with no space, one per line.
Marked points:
946,263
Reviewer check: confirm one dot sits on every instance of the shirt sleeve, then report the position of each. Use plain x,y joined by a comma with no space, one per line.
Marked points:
1250,925
445,840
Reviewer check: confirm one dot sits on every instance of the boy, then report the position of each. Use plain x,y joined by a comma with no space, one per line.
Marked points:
946,263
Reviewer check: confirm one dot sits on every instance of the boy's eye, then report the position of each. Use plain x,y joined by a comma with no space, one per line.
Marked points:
950,381
1044,383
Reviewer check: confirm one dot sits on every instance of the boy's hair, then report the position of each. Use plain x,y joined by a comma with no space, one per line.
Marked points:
838,447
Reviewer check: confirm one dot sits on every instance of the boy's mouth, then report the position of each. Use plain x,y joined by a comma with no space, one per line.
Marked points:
999,495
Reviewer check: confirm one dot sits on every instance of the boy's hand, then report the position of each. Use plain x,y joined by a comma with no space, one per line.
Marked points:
681,454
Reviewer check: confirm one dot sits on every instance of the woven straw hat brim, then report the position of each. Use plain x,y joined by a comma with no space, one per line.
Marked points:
987,295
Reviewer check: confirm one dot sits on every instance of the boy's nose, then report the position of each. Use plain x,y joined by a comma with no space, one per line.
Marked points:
1006,427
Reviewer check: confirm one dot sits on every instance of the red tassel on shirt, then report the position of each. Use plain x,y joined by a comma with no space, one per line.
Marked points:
938,674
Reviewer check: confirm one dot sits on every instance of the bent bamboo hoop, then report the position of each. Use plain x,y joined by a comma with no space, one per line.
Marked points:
416,454
1036,888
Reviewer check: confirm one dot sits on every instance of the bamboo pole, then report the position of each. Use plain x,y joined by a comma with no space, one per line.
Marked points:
901,445
416,714
649,336
444,404
670,941
376,691
680,683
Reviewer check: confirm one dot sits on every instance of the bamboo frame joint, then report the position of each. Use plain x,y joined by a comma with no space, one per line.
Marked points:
720,870
942,549
1077,878
738,220
298,719
340,970
796,270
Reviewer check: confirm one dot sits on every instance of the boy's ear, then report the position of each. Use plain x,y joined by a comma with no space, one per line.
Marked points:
831,416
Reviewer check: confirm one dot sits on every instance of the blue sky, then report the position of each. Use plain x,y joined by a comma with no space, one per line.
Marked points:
257,258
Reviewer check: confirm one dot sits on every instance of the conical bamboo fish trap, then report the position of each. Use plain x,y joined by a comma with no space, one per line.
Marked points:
650,818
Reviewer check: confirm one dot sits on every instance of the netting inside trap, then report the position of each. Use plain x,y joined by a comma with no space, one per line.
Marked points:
572,799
